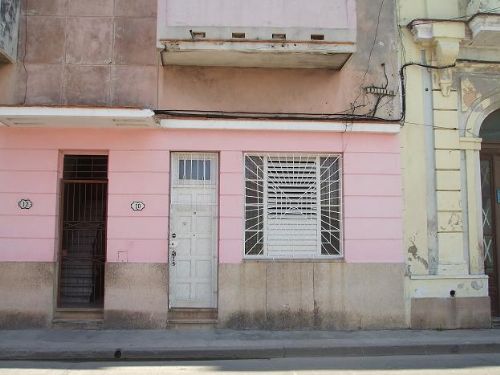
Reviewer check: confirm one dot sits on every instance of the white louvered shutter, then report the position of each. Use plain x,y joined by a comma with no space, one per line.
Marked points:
292,207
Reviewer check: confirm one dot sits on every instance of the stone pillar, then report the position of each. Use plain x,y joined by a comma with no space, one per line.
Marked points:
452,257
455,295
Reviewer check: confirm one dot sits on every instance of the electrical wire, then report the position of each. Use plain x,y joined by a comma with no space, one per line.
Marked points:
271,115
403,83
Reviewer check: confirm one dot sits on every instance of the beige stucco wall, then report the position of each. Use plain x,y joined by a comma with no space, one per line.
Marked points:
446,286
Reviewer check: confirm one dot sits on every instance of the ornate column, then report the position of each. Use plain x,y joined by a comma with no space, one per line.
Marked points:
471,147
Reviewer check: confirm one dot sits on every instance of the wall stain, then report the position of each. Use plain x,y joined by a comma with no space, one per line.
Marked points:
476,285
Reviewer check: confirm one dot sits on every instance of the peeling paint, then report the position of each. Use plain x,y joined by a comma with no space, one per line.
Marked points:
469,94
454,223
413,250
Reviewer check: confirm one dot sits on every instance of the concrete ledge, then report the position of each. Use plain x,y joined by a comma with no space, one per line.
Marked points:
228,344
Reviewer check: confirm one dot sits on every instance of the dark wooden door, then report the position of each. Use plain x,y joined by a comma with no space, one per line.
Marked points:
490,184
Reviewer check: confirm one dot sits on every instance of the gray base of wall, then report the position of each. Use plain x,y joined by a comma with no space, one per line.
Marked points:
126,319
261,295
136,295
26,294
12,319
450,313
321,295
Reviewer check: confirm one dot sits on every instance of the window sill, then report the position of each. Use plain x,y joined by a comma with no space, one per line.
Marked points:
284,260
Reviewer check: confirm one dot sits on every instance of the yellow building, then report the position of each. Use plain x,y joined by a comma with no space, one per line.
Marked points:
450,58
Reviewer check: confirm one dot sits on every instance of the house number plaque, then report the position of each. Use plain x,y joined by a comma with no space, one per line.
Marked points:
137,206
25,204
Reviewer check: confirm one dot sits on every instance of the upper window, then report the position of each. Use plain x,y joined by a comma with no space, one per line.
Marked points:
194,169
85,167
293,206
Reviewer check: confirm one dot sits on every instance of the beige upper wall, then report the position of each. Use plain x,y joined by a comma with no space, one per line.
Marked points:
103,52
299,90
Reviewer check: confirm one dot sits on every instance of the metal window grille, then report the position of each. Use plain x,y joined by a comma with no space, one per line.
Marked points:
293,206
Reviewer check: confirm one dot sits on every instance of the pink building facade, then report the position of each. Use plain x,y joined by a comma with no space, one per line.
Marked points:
194,186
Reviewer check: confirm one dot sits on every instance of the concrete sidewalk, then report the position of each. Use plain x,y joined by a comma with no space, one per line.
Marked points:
228,344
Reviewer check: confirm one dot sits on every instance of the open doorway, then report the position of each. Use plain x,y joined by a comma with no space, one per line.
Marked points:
83,231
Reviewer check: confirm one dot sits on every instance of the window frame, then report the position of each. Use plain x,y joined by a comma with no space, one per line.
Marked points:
317,256
185,155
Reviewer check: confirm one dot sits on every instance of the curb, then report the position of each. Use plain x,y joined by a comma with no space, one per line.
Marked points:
225,353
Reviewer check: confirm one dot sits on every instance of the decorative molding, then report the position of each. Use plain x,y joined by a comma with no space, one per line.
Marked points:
481,6
485,29
440,286
470,143
36,117
444,38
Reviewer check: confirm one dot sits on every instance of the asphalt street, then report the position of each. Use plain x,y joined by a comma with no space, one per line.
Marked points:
484,364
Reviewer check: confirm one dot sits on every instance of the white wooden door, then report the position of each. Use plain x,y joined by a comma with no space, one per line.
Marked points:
193,231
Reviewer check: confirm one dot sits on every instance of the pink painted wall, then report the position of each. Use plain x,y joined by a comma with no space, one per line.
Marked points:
261,13
139,170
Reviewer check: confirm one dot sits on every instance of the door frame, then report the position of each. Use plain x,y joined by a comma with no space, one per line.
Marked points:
215,265
491,151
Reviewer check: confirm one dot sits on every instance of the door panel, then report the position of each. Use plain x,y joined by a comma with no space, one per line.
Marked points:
193,231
